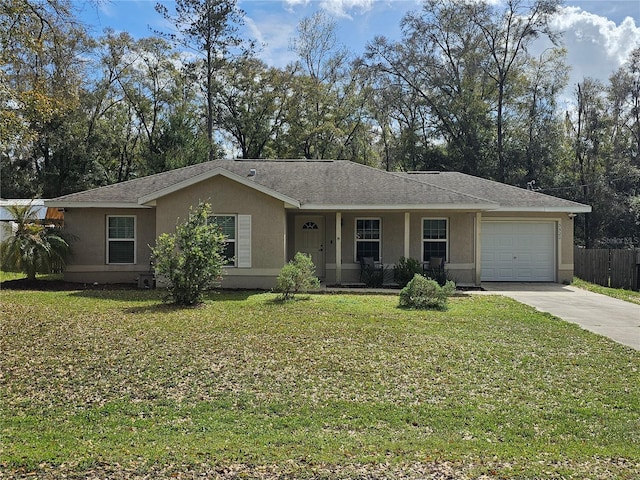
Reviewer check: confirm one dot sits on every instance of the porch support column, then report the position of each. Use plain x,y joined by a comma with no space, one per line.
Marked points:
407,232
478,252
338,248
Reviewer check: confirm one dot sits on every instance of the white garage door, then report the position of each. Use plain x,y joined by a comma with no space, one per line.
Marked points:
518,252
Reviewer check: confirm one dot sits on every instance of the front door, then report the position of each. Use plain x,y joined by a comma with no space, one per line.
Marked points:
309,239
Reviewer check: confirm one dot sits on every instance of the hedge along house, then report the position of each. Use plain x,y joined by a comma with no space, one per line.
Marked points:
336,211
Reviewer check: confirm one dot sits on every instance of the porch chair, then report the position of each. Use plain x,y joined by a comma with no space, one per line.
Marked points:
434,267
368,268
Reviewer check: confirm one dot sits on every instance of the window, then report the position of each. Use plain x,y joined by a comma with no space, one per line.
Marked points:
435,238
227,224
121,239
368,238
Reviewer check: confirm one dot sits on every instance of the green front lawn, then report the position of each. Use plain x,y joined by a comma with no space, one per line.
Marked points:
5,276
8,276
113,384
619,293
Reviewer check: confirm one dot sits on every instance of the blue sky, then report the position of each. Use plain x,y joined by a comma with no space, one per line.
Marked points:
598,34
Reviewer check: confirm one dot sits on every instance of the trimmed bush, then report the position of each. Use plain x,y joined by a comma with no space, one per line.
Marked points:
297,276
405,270
373,277
191,260
439,275
424,293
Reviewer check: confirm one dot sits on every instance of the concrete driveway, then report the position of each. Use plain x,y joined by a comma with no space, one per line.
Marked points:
616,319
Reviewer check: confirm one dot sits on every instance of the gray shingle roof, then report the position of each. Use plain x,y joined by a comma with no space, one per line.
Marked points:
507,196
328,184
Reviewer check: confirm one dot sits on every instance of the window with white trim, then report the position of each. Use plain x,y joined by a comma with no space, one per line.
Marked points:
227,224
435,238
121,239
368,238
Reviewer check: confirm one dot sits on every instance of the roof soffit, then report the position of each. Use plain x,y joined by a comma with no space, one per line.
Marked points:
471,207
86,204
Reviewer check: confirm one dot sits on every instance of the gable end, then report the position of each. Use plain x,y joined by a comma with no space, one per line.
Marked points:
152,197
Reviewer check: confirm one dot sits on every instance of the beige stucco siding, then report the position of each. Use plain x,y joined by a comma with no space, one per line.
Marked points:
462,238
268,225
87,228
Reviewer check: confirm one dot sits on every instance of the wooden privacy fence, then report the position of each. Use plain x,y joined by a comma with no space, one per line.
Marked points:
609,268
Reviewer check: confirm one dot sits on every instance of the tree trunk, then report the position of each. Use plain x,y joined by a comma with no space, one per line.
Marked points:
502,174
31,271
210,105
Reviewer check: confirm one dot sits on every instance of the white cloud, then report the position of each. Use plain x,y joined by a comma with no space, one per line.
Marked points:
342,7
596,46
339,8
273,36
294,3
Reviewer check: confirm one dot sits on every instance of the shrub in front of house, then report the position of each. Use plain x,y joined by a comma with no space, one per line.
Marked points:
425,293
405,270
297,276
191,260
373,277
439,275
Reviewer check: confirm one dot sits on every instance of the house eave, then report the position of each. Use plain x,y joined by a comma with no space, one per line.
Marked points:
402,207
66,204
150,198
564,209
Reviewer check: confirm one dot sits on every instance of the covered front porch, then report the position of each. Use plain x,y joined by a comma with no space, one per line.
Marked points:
336,240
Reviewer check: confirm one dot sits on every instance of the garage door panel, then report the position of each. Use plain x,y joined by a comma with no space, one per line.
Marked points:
518,251
491,258
504,272
542,259
504,257
525,259
504,242
524,274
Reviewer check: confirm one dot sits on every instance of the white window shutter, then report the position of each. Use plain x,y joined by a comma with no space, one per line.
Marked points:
244,241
